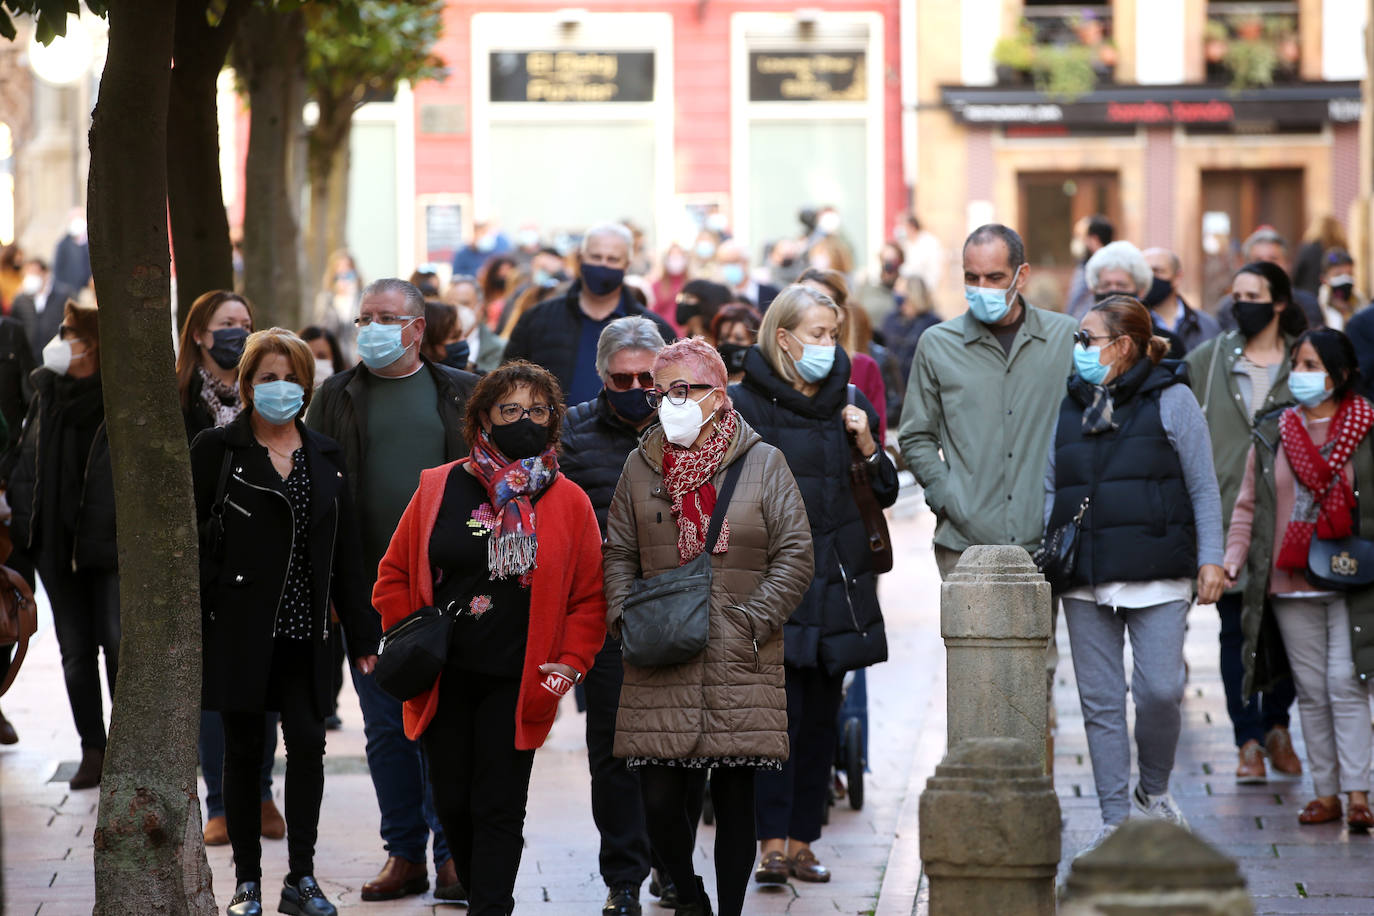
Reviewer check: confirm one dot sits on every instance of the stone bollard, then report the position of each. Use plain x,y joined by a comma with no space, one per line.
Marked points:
990,831
995,619
1154,868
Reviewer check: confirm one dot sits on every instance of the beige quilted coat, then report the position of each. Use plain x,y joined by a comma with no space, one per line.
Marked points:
729,700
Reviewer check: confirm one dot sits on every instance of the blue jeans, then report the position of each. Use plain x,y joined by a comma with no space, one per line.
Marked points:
1251,717
211,749
398,776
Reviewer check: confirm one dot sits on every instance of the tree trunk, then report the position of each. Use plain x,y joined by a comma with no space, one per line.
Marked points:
270,53
328,144
148,851
195,199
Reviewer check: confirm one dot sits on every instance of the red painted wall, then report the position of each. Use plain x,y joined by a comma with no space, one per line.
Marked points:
701,89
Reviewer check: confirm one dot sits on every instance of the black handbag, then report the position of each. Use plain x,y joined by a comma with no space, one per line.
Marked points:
212,531
666,620
412,653
1340,564
1058,554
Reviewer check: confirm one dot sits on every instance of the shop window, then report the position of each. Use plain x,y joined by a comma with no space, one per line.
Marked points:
1065,49
1235,204
1252,44
1050,203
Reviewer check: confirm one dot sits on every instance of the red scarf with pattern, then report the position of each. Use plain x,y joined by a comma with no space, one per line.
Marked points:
1324,500
687,474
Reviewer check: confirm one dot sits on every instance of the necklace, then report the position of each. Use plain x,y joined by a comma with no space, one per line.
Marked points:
279,454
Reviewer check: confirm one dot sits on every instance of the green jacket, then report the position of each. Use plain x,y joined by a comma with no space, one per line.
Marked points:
1212,376
1265,658
977,426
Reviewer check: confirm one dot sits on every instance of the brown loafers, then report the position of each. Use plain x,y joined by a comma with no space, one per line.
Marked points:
1278,744
1250,765
1318,812
216,831
1359,817
273,826
806,867
398,878
774,869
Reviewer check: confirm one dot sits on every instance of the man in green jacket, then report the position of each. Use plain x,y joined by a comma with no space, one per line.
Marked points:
1233,390
981,405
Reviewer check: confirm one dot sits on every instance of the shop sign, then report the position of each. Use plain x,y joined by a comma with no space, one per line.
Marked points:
572,76
807,76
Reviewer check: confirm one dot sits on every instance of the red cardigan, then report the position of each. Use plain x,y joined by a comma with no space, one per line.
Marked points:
567,605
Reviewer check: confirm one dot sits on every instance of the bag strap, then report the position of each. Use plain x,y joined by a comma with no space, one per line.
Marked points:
727,489
221,488
1211,369
28,621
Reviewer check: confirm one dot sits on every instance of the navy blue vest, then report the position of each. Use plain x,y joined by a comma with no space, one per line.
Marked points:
1139,526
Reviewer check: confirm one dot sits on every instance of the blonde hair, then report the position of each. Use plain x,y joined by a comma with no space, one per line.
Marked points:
786,312
280,341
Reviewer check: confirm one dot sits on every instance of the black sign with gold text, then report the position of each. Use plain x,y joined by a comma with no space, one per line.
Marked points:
807,76
572,76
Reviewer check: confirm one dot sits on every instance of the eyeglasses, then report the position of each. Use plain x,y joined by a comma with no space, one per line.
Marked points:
621,381
677,393
366,320
1086,340
539,413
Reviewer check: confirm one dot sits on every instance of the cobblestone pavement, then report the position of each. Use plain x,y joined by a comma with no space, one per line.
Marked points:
47,827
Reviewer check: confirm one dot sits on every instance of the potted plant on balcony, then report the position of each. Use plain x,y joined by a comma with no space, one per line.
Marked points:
1015,54
1251,62
1065,71
1215,40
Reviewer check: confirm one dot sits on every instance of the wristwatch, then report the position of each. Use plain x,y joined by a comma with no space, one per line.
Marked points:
872,460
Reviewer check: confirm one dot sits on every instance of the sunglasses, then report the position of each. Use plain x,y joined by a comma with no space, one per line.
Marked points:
622,381
1086,340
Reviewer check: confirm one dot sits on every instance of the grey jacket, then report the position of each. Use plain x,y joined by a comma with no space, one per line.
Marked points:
977,426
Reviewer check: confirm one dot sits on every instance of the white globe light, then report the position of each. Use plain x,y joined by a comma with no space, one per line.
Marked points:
67,59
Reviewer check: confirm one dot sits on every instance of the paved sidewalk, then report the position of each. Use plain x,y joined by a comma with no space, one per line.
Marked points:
47,828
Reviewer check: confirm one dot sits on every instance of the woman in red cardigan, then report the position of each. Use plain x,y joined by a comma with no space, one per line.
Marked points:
514,547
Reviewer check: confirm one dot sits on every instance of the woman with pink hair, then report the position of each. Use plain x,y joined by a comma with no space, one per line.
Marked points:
724,710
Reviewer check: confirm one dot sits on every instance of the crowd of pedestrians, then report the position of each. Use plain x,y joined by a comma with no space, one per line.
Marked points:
510,456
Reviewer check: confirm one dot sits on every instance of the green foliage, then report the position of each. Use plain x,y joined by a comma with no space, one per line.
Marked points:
51,15
1065,72
1016,51
1251,63
357,46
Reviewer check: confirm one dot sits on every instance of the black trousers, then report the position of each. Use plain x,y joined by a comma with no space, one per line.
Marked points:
616,805
672,817
291,690
480,784
85,613
791,801
1252,716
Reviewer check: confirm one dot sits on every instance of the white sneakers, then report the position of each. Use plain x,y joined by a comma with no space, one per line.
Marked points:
1162,807
1102,835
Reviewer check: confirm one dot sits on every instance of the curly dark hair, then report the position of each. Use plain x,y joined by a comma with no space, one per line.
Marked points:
495,385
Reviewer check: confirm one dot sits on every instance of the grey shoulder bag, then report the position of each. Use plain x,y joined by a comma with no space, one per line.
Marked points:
666,620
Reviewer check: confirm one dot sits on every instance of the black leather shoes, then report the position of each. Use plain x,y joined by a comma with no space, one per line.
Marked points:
304,898
247,900
662,887
623,900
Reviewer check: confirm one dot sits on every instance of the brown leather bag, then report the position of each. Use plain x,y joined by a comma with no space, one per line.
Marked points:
18,620
875,523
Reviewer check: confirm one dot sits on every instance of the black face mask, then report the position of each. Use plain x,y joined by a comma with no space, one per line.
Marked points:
733,354
456,355
1159,291
631,405
522,439
686,311
1252,317
1103,297
601,280
228,346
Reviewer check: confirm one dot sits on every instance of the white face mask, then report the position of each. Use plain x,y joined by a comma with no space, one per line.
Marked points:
467,319
58,356
682,422
31,284
324,368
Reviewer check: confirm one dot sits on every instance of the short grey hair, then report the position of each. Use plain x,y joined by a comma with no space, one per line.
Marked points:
414,299
1119,256
616,229
1260,236
996,232
632,333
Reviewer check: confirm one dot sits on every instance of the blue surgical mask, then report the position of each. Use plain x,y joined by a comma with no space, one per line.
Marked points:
1088,362
1308,387
278,402
732,274
990,305
816,361
380,345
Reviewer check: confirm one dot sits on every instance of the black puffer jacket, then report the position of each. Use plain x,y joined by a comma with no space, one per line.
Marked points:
242,588
16,365
549,333
810,432
595,443
60,480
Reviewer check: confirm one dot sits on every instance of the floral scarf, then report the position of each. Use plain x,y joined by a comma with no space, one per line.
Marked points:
687,474
512,547
1319,471
220,399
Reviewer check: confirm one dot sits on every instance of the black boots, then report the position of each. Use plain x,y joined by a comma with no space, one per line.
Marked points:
700,907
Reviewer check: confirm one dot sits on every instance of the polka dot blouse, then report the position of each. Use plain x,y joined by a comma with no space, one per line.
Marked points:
293,617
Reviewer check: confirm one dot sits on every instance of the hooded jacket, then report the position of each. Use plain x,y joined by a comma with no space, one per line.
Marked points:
730,699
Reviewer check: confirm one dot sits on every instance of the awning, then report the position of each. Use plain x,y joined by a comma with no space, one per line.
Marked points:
1295,104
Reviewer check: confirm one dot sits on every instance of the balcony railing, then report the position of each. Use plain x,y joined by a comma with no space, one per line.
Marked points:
1252,45
1065,50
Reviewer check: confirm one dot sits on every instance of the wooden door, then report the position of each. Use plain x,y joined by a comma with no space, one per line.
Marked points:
1049,204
